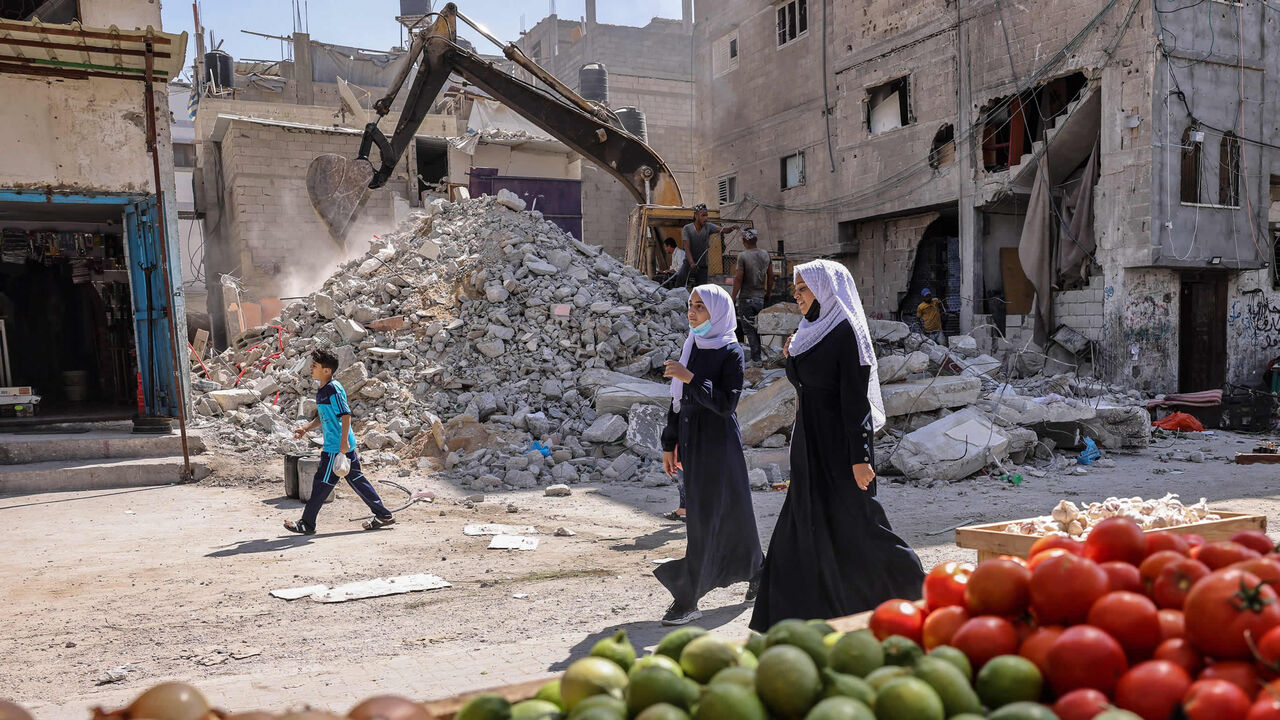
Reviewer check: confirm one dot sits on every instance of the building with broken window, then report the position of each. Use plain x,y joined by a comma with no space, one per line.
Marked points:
1091,179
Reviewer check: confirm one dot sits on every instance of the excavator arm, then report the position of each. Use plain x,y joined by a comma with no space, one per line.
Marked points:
338,186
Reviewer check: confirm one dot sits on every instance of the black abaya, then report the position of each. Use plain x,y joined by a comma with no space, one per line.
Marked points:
833,552
723,545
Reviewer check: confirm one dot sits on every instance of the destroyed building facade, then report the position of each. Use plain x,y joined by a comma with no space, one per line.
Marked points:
1122,152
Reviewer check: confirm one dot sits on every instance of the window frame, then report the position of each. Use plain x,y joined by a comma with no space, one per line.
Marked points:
192,147
727,189
906,113
791,28
1229,163
730,45
782,166
1190,163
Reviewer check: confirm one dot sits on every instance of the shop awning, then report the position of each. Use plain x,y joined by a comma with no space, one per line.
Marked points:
75,51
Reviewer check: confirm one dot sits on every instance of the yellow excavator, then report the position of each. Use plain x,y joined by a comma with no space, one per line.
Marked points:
338,186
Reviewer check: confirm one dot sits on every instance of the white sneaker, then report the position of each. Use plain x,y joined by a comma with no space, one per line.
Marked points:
680,616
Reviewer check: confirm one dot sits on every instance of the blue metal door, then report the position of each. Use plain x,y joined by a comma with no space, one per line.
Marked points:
150,308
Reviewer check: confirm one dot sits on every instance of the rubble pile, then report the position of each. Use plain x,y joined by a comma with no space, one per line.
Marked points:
480,339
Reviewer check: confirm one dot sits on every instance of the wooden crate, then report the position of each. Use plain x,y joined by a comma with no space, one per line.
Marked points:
447,708
991,541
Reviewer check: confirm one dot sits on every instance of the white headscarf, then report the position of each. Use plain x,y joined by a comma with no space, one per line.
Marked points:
724,321
837,295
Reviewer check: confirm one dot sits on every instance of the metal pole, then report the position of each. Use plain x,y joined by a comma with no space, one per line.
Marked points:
163,235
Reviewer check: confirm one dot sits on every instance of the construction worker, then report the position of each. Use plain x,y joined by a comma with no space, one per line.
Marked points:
752,287
697,243
930,313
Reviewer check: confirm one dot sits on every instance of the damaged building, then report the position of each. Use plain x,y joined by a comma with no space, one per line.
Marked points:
1093,181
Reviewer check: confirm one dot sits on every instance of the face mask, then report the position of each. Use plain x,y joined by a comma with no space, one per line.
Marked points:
814,311
703,330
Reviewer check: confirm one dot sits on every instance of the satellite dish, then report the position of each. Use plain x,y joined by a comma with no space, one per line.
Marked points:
351,102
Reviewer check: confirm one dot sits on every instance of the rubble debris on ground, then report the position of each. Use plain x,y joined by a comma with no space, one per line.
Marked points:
376,587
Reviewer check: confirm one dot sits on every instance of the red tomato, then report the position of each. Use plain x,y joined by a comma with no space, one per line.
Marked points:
898,617
1155,562
1218,555
1266,707
1116,538
1082,704
1165,540
1064,588
1266,568
1214,700
1036,647
1180,652
1173,624
1085,657
983,638
1131,619
1237,672
1123,576
1044,555
941,624
1152,689
998,587
1255,540
945,583
1223,606
1193,540
1269,649
1175,580
1049,542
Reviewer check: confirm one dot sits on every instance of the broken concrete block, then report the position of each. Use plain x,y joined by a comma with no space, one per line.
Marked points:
1017,410
350,330
510,200
353,377
617,393
557,491
491,348
952,448
894,368
234,398
325,307
496,293
1124,427
758,479
925,395
623,467
767,411
561,259
774,441
537,267
390,324
887,330
502,332
774,322
645,424
606,429
965,344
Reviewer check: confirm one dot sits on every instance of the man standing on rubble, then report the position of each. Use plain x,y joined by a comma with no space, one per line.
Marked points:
697,244
930,313
751,286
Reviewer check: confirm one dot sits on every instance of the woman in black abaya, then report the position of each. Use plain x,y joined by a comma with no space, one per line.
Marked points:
723,545
833,552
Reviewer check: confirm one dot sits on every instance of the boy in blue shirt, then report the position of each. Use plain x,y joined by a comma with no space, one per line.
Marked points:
333,415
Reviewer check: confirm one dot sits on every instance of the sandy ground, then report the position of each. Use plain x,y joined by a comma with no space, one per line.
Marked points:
163,580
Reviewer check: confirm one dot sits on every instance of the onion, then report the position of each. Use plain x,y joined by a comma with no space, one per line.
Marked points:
169,701
388,707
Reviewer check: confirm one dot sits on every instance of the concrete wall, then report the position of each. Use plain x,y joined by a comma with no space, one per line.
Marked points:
124,14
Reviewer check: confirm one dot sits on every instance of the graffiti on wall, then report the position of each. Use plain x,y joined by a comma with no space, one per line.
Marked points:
1147,321
1257,316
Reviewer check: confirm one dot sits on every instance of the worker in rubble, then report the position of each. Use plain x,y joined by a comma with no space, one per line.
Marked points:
676,275
702,435
697,245
751,287
930,312
333,416
833,552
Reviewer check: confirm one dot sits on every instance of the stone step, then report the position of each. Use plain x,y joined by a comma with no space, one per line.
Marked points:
78,475
17,449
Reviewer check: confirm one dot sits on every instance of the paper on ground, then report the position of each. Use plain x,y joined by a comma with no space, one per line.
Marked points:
492,529
298,592
364,589
513,542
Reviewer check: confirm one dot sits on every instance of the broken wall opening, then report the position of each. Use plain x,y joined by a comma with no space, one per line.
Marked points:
1013,122
57,12
936,267
433,165
943,152
889,106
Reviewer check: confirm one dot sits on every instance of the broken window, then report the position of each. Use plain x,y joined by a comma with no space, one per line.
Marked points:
943,152
184,155
537,52
1010,124
889,105
1192,149
793,21
727,190
56,12
1229,171
724,54
847,235
792,167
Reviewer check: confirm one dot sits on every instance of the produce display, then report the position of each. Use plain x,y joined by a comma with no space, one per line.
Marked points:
1121,625
1070,520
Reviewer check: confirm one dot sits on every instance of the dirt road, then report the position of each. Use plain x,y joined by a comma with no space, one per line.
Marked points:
172,582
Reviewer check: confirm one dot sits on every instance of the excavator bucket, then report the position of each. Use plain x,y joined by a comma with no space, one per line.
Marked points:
338,187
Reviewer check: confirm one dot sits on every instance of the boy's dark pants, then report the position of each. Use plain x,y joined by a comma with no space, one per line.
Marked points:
324,481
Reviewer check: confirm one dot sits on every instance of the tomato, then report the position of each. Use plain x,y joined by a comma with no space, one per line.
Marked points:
1064,588
1173,624
1218,555
998,587
1155,562
1036,647
1265,567
945,583
941,624
1165,540
1223,606
1193,540
1085,657
1131,619
1266,706
1152,689
1116,538
1175,581
1214,700
1255,540
1269,649
898,617
1044,555
1082,704
1049,542
983,638
1123,576
1180,652
1237,672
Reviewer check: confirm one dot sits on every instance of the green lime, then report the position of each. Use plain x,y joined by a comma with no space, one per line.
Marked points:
840,708
880,676
707,655
661,661
744,676
485,707
1008,679
908,698
840,685
755,643
788,681
899,650
599,707
1036,711
653,685
535,710
617,649
663,711
951,685
673,644
1115,714
830,640
551,693
801,635
857,653
821,626
729,701
591,676
955,657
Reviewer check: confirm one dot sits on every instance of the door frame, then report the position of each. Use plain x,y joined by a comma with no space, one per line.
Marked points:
1216,346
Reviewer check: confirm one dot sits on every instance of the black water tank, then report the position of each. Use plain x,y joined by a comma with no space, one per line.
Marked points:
593,82
633,122
413,8
220,69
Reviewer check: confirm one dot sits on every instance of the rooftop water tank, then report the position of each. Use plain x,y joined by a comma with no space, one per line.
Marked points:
593,82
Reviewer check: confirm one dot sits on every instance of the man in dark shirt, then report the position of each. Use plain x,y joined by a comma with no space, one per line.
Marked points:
751,287
697,245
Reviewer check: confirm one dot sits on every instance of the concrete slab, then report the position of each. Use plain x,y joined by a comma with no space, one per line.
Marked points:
94,445
952,448
77,475
926,395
